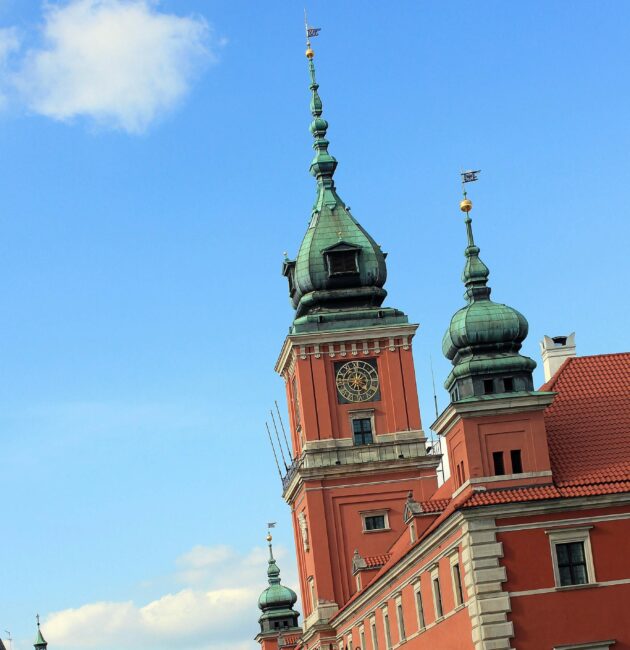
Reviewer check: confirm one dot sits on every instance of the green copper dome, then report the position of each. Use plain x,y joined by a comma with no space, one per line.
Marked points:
484,338
337,278
276,601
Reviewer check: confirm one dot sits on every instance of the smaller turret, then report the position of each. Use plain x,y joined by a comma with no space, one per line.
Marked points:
40,642
276,601
484,337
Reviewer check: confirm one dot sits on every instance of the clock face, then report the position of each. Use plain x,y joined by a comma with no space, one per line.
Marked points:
357,381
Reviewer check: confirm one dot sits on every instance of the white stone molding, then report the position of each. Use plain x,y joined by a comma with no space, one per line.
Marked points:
566,536
304,531
488,605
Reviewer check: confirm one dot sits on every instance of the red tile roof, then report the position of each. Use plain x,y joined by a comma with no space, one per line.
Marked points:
436,505
588,424
373,561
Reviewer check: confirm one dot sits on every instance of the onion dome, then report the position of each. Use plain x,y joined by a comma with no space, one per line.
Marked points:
484,337
276,601
337,278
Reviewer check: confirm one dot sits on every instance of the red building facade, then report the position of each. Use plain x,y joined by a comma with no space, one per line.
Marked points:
524,546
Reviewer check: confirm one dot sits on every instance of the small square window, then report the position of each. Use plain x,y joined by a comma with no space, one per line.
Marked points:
362,431
342,262
488,386
374,522
508,384
498,462
517,462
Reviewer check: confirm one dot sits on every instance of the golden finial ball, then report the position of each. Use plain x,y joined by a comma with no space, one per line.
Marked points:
309,53
269,537
465,205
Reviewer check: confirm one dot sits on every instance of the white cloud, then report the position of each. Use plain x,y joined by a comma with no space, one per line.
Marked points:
218,613
119,63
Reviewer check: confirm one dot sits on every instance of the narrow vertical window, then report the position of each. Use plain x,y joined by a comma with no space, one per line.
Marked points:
374,636
350,643
311,584
400,617
437,595
457,584
508,385
420,609
388,635
488,386
499,465
362,637
517,463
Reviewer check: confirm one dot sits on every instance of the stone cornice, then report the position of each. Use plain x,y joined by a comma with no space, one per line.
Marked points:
351,335
507,403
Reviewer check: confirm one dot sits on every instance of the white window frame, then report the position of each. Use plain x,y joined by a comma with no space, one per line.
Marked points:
375,513
420,615
373,633
439,613
349,641
458,589
313,594
400,619
362,414
362,636
567,536
386,627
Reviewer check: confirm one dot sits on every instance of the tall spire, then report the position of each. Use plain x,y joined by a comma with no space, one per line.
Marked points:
337,278
40,642
323,164
475,274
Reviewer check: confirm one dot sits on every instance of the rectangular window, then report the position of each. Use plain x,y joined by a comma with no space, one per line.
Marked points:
388,635
457,584
420,609
517,462
499,465
374,522
362,638
350,642
488,386
400,618
362,431
508,384
572,564
572,556
342,262
437,595
311,584
373,633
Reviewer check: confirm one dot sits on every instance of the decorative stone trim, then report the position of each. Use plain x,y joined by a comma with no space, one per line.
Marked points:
488,605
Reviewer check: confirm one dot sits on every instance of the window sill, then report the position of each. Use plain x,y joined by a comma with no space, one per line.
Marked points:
378,530
571,587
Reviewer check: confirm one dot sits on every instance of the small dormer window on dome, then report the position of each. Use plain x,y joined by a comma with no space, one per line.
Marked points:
342,259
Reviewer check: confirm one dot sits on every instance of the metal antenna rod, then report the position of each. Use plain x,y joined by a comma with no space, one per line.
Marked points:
284,460
274,451
435,402
284,433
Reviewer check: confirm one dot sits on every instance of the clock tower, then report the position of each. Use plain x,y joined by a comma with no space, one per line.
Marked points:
355,423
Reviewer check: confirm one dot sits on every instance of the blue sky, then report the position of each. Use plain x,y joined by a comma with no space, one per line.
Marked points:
154,168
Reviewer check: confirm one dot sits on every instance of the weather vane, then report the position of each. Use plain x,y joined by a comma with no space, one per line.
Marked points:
468,177
310,31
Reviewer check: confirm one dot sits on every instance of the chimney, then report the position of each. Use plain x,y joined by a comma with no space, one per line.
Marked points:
555,349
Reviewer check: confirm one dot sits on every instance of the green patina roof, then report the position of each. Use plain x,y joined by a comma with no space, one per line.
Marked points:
277,600
323,301
484,337
40,642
